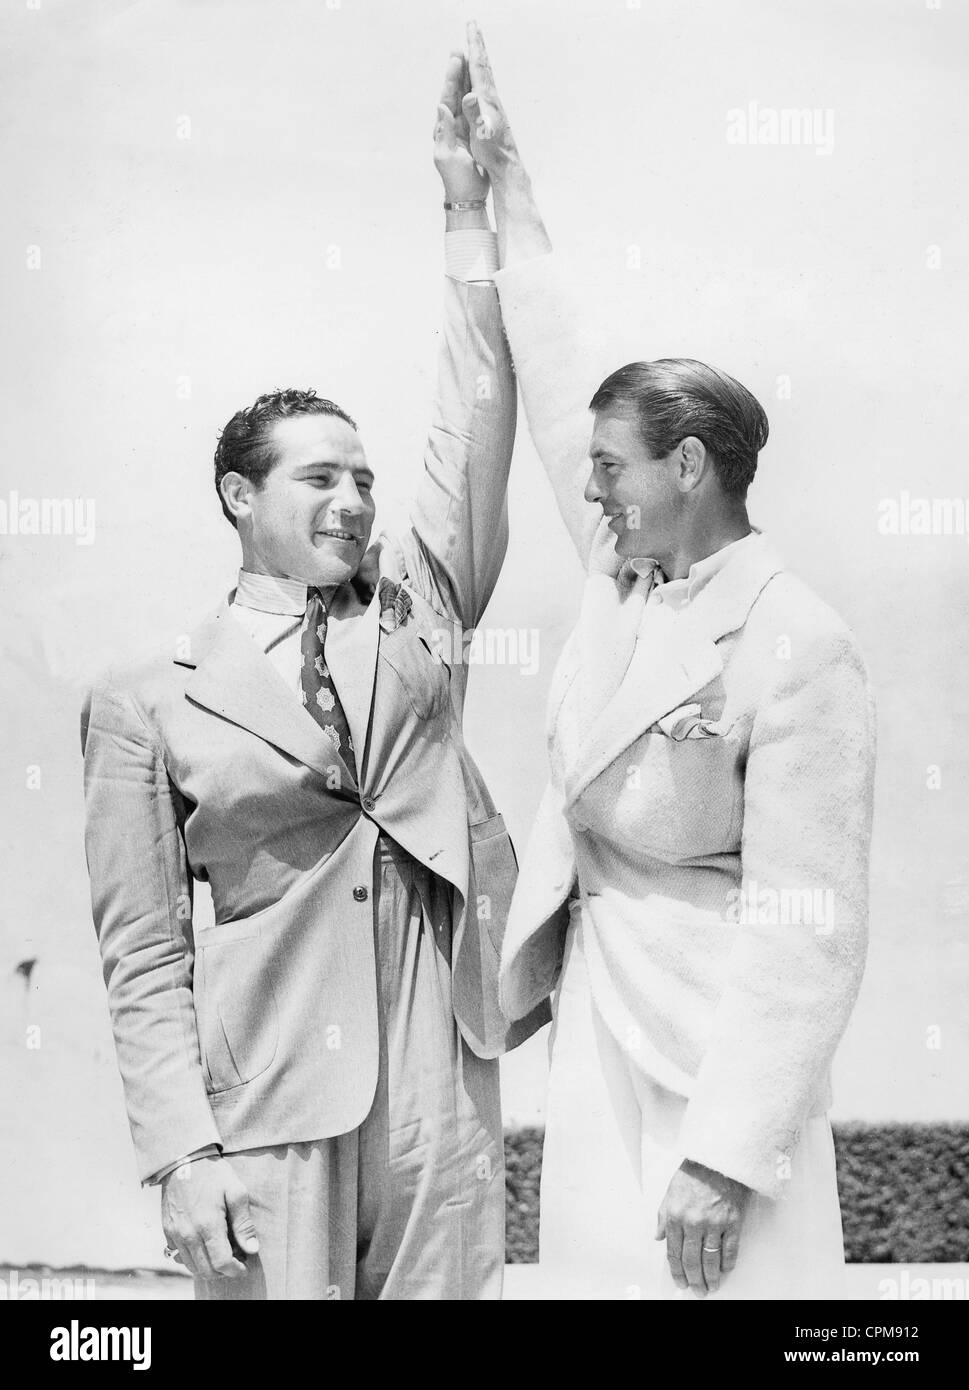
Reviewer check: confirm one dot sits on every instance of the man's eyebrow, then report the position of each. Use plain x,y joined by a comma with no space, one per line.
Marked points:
599,453
308,467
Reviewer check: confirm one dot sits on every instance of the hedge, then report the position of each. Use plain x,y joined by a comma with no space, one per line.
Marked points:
904,1192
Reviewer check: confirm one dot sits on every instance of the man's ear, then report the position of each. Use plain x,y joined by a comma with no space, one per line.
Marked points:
236,489
692,461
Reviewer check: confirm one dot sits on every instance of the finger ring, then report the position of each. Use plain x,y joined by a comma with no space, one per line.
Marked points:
712,1249
169,1252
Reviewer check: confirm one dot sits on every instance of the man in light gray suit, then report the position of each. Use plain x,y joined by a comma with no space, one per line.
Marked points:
313,1078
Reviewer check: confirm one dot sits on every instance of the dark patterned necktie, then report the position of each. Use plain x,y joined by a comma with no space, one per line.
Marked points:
316,683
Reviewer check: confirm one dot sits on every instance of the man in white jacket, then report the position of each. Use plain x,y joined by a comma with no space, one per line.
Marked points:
695,889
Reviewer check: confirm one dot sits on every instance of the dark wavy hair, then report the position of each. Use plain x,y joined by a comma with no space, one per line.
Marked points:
244,445
675,397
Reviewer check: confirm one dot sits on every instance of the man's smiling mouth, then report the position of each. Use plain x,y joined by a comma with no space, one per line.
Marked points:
335,534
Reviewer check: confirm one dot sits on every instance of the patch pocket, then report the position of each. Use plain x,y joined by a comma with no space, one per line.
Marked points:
426,678
695,784
238,1018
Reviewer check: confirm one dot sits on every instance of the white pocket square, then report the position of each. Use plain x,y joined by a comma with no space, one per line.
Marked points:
686,721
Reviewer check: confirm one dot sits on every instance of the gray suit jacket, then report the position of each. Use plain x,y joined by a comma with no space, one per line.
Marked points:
262,1028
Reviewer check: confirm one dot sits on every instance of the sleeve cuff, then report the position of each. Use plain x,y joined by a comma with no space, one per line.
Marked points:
210,1151
471,254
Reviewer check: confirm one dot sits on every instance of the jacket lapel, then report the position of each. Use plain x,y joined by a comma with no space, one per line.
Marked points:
233,679
677,657
597,653
664,670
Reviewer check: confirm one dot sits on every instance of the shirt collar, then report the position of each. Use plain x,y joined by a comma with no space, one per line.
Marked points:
271,594
679,592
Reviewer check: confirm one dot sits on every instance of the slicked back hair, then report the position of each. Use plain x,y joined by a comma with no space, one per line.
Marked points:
245,445
677,396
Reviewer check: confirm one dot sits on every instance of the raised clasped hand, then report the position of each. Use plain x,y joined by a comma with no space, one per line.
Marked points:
463,180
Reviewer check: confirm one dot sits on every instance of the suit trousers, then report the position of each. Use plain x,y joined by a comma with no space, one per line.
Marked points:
410,1205
611,1149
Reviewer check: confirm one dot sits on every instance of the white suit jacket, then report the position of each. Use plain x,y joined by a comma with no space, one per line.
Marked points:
723,876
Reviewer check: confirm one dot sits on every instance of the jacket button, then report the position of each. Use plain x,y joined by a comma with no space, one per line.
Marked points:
368,803
360,893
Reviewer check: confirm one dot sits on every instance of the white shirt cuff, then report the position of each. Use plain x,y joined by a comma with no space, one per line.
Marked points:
471,253
209,1151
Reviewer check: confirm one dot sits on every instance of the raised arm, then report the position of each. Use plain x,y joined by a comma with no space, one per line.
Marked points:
560,357
456,544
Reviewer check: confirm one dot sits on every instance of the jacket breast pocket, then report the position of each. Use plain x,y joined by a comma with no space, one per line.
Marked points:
677,799
238,1019
425,677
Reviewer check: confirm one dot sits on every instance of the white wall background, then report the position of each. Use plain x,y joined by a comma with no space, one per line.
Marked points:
171,265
